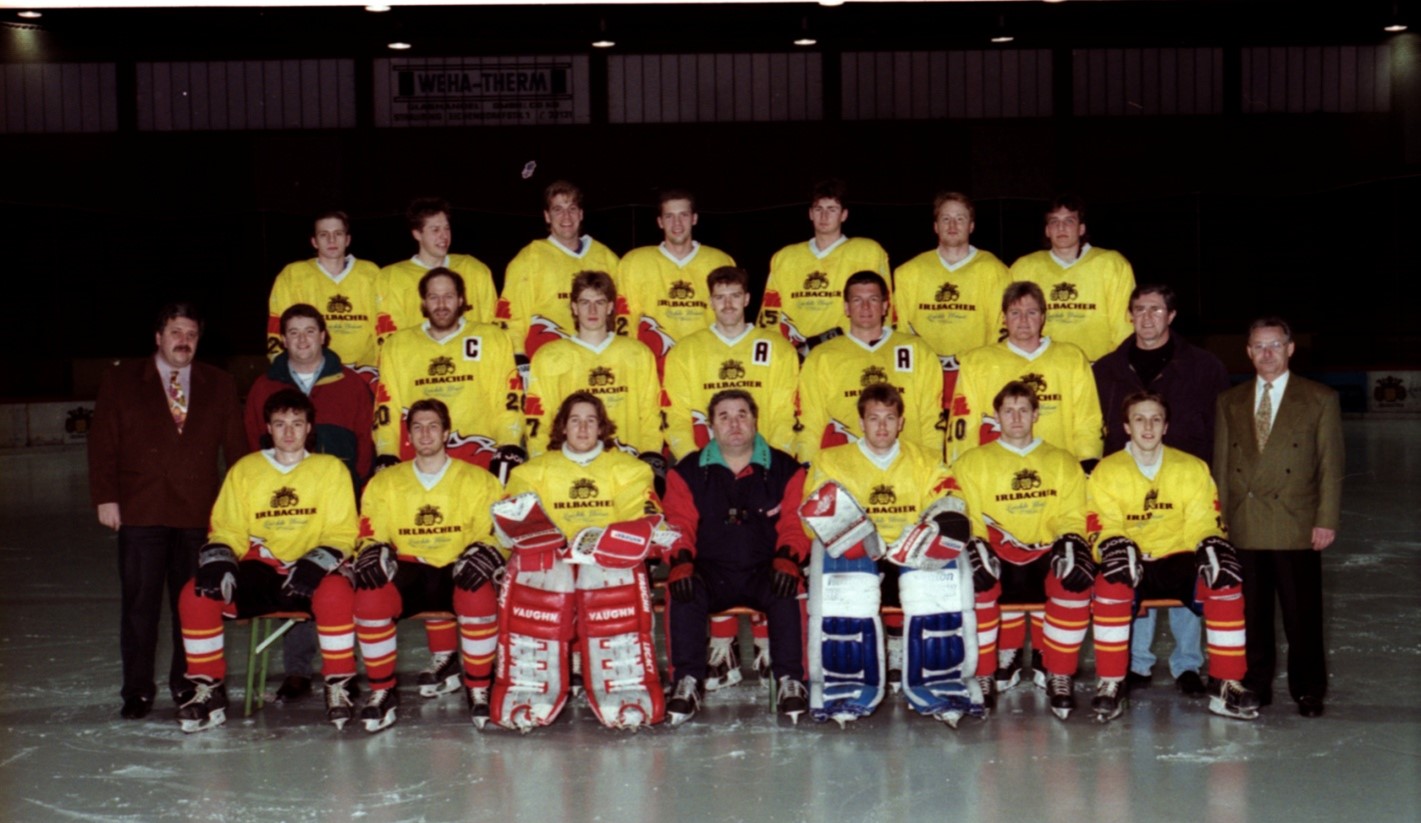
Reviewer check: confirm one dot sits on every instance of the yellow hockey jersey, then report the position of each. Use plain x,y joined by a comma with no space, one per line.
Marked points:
536,307
954,307
433,525
266,511
894,497
472,371
1065,387
666,295
621,372
400,304
611,488
759,361
837,372
1088,301
348,301
805,293
1036,496
1167,515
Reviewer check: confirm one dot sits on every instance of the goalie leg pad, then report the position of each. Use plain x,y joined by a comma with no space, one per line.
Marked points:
618,655
941,661
845,637
535,612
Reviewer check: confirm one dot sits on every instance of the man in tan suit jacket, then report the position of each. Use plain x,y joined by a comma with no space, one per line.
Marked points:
1278,458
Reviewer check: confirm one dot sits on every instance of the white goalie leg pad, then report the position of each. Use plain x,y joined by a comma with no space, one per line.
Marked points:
531,680
940,629
839,522
618,657
845,647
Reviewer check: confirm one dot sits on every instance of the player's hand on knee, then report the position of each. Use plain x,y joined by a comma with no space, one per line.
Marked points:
1120,561
1218,563
479,564
785,574
216,572
678,579
986,567
375,566
1071,563
308,572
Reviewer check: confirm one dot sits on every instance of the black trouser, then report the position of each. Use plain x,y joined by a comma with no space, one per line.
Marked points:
150,557
714,589
1293,578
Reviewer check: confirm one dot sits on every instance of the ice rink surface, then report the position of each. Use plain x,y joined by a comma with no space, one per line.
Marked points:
66,755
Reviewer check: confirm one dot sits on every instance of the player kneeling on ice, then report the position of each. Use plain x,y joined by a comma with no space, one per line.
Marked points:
1154,517
291,514
880,508
580,520
733,507
425,535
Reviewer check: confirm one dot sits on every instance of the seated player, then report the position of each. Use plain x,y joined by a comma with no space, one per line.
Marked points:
291,514
739,542
425,535
1026,498
885,497
580,520
1154,514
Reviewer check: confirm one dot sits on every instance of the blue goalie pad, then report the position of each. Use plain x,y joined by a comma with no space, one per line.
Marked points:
940,642
845,637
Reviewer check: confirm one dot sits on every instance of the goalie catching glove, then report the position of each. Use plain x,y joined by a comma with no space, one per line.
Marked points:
375,566
621,545
939,536
479,564
308,572
1120,561
216,572
840,523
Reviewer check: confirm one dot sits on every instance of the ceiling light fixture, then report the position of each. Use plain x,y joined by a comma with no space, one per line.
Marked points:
603,41
377,8
805,38
399,45
31,15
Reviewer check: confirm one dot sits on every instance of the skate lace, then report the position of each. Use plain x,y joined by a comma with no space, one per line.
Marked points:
789,687
336,695
1059,684
377,698
1107,688
722,651
202,693
478,695
685,689
437,663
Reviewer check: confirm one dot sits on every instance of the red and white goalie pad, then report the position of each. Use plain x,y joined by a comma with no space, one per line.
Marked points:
840,523
522,525
618,656
536,628
618,546
927,545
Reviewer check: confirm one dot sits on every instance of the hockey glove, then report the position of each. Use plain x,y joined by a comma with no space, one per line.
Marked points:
382,462
505,460
658,470
1218,564
785,574
479,564
308,572
986,567
216,572
1071,563
678,580
1120,561
375,566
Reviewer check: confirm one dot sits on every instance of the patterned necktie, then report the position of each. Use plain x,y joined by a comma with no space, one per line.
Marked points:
1263,418
177,401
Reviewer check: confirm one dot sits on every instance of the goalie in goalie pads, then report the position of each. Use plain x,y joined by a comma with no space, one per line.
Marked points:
580,521
911,534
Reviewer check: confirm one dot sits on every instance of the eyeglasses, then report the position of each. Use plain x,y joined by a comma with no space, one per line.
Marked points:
1157,311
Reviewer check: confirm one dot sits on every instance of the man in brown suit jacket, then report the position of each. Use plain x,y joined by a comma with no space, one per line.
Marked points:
1278,457
159,424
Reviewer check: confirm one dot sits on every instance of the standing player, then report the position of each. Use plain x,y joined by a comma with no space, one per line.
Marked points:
537,285
343,287
621,372
1154,518
580,520
1026,498
1089,287
400,299
884,497
807,279
466,365
731,354
291,514
661,285
425,532
1058,372
836,373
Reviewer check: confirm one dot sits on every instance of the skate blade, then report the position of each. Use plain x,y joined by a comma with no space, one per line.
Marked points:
843,719
446,686
340,723
677,718
1105,717
480,722
214,719
1063,714
1221,710
793,717
376,724
950,718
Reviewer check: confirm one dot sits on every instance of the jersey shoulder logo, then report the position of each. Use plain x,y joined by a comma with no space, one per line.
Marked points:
339,304
873,375
284,498
1064,291
583,488
440,366
1025,480
732,370
601,376
882,495
1036,381
946,293
428,516
816,281
682,290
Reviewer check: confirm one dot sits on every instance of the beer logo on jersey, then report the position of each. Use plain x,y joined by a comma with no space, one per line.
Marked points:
1025,480
583,488
1152,502
1390,390
78,420
732,370
1038,385
816,281
1063,292
946,293
339,304
873,375
428,516
882,495
284,498
682,290
441,366
583,495
601,376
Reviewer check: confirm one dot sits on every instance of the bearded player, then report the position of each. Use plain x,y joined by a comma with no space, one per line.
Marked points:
580,521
